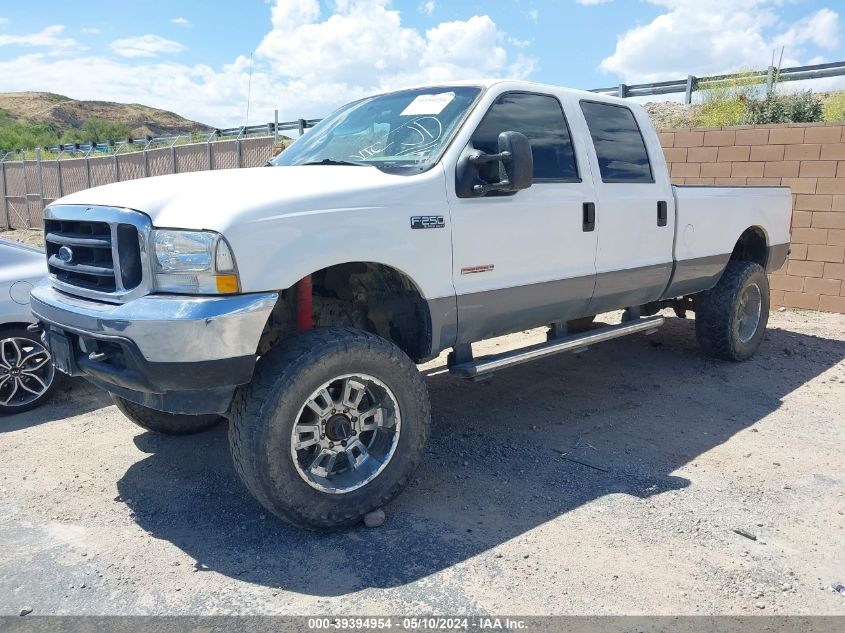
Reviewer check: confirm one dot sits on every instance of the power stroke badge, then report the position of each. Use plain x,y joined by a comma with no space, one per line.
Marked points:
428,222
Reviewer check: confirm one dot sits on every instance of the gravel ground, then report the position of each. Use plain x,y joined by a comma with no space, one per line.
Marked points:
604,483
33,237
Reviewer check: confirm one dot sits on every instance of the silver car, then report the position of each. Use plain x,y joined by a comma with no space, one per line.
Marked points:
27,376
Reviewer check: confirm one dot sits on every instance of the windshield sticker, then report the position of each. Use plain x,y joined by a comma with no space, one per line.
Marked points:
428,104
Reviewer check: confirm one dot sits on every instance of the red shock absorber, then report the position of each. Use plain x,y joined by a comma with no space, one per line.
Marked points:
304,304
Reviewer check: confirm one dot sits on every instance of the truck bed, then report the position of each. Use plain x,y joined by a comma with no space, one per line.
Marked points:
710,220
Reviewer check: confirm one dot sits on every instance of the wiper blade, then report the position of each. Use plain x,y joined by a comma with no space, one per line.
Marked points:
331,161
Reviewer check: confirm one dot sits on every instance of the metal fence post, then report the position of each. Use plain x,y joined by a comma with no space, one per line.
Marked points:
59,176
40,176
690,88
623,91
301,124
87,171
770,78
5,194
146,160
275,127
238,149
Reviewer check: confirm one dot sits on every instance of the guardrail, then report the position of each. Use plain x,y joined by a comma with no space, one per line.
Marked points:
770,77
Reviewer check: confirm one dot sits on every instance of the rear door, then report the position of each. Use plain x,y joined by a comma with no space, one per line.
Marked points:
527,259
635,208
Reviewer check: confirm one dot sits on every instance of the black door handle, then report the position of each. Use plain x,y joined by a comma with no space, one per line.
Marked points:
662,213
589,218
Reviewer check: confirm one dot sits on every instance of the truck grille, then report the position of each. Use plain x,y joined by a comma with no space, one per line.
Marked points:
99,256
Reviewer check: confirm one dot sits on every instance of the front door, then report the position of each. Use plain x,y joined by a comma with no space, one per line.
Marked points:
527,259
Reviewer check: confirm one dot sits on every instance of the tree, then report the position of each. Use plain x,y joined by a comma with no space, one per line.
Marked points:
98,130
15,135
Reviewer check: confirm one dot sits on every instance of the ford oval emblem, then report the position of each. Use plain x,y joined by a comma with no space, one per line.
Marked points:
65,254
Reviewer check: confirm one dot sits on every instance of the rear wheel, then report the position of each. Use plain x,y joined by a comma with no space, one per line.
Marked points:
27,375
165,423
731,317
332,426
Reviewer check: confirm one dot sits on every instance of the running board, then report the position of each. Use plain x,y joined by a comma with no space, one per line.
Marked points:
573,343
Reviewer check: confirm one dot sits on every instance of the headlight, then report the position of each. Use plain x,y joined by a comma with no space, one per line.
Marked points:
193,262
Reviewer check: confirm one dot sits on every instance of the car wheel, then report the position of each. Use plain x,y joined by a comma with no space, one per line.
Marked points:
27,375
332,426
731,317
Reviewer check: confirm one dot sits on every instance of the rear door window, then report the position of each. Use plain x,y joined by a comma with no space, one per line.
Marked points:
619,143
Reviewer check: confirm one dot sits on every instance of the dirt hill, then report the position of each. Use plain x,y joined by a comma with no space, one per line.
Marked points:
62,113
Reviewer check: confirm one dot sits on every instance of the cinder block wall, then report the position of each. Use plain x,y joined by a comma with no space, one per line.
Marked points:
810,159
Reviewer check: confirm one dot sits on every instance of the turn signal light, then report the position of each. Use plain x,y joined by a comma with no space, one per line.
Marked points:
227,283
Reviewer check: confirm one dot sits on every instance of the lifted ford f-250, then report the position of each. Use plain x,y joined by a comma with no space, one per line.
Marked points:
295,300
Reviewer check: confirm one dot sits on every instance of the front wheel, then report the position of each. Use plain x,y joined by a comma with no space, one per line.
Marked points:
165,423
332,426
731,317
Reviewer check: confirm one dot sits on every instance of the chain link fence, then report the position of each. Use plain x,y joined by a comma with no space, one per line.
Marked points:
27,186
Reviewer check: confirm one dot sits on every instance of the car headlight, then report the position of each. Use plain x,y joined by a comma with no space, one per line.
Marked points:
193,262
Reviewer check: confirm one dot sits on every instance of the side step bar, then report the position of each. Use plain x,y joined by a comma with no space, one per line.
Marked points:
576,342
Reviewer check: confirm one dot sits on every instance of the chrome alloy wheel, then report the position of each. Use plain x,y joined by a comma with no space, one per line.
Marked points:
749,311
346,433
26,371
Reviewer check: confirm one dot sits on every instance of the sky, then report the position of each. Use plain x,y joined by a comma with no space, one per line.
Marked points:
308,57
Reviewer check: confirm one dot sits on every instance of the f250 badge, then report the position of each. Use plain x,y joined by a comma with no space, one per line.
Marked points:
428,222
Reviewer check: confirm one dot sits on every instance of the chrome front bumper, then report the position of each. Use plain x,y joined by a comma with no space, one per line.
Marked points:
165,328
172,353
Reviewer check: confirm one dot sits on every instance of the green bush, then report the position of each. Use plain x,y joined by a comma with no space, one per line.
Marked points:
797,107
14,135
833,109
98,130
742,99
726,102
721,112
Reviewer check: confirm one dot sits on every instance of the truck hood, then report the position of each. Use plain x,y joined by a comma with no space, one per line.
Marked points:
219,199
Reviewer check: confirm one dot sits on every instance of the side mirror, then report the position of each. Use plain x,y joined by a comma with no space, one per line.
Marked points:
516,167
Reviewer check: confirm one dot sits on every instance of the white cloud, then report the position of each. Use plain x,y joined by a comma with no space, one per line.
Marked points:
701,37
428,7
307,65
145,46
364,46
588,3
820,29
534,15
181,22
46,37
90,30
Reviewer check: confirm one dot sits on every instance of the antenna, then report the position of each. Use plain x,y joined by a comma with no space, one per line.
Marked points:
780,63
248,90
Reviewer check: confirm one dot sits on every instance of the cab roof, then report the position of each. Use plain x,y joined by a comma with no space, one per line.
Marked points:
520,84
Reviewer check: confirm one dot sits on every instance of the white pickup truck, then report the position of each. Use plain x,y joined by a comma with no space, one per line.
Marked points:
295,300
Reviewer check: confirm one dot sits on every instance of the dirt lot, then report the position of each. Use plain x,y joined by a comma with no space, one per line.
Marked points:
33,237
609,482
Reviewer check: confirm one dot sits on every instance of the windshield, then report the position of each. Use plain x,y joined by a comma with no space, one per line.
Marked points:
405,131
